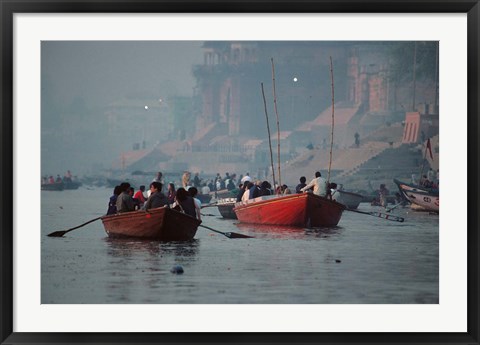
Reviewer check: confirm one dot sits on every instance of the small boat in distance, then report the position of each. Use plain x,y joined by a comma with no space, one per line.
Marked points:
425,198
163,224
303,210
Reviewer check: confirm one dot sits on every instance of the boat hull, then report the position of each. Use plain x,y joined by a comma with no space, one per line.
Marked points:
162,224
57,186
349,199
226,206
71,184
425,199
204,198
303,210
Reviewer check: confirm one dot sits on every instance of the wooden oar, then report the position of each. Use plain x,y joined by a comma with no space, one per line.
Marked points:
380,215
392,208
63,232
228,234
209,205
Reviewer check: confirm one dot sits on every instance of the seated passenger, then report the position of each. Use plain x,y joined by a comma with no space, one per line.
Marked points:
286,190
193,191
246,191
302,184
240,192
156,198
184,203
139,198
124,201
112,203
265,189
254,190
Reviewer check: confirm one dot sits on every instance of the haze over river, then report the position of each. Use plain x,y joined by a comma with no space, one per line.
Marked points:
364,260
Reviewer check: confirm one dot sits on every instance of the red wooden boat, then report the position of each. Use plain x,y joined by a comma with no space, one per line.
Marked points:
163,224
300,210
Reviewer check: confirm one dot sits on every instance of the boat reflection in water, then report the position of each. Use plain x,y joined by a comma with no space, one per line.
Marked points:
285,232
127,247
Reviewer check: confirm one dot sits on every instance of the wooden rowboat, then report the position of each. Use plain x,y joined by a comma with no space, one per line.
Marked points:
349,199
424,198
303,210
163,224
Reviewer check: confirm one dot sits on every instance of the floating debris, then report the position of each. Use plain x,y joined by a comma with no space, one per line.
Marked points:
177,269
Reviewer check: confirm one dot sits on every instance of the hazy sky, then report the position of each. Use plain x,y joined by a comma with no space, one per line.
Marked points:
102,72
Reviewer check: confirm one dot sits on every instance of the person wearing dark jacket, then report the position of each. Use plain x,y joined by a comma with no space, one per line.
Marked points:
112,204
184,203
156,198
254,191
265,189
302,184
125,201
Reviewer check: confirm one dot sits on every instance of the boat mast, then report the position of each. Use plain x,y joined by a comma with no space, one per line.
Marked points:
333,121
414,74
268,130
424,159
436,82
278,124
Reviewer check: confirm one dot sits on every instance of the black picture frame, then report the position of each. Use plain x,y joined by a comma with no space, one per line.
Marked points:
9,8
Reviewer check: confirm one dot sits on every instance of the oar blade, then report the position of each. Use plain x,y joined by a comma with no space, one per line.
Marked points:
57,234
388,217
236,235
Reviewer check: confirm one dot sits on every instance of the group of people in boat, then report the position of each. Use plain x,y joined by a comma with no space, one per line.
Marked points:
249,189
68,177
125,199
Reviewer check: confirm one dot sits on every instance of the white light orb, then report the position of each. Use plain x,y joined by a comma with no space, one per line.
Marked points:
146,107
295,79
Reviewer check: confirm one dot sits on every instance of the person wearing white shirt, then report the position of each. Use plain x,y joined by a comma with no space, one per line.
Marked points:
246,178
192,191
319,185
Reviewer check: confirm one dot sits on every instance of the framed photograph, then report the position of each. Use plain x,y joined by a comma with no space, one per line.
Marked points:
103,99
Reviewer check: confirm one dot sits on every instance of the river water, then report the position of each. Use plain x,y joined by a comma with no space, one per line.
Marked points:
365,260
